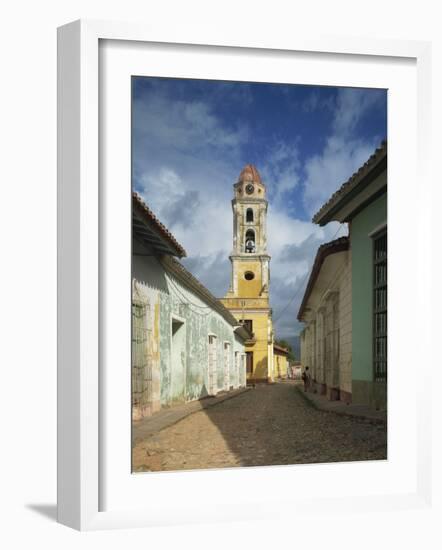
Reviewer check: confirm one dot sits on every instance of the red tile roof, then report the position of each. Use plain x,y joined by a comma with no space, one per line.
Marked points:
250,173
280,349
150,217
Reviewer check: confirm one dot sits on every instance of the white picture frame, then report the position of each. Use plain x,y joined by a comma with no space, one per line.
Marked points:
80,396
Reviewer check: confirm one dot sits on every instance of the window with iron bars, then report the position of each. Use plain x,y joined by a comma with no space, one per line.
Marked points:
380,307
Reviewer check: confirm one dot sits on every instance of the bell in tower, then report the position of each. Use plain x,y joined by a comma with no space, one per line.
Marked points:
250,241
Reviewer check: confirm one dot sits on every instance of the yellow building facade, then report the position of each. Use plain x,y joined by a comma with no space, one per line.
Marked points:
248,295
281,363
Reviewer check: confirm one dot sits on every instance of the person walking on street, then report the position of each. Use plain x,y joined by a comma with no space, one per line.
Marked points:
306,378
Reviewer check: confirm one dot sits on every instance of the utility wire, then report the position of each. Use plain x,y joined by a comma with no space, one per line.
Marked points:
186,302
184,297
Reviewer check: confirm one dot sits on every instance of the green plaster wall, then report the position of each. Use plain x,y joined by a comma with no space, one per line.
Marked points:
224,333
364,223
180,366
199,322
165,355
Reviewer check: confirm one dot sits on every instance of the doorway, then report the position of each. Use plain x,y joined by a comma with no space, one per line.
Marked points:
236,381
249,363
226,366
212,388
178,361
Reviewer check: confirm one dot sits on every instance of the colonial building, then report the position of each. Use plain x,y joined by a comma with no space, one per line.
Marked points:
326,312
280,362
185,344
295,370
362,203
248,295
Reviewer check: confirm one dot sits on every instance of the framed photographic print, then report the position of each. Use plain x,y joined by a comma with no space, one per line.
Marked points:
223,288
192,350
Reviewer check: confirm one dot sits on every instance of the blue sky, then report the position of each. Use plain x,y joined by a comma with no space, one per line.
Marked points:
191,138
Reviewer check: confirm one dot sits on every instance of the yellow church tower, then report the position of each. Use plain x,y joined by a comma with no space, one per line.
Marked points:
248,295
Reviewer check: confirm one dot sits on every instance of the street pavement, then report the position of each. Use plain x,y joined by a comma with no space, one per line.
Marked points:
267,425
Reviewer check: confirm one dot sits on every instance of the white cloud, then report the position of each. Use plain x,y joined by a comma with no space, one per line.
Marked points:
182,125
186,160
315,101
281,171
326,172
351,105
284,231
185,163
343,152
323,174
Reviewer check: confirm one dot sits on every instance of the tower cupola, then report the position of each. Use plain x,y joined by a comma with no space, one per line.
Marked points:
249,183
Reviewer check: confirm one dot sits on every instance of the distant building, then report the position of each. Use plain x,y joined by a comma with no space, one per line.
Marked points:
362,203
185,344
295,370
281,363
248,295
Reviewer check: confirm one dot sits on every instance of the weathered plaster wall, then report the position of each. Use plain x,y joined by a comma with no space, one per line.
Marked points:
260,347
145,361
147,285
326,341
309,346
200,321
281,365
239,378
180,326
303,347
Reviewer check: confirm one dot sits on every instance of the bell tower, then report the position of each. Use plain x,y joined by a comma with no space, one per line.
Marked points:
248,295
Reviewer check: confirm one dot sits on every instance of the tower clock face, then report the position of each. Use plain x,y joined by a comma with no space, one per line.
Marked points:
249,188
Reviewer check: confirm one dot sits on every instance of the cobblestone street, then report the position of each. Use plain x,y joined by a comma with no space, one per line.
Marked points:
268,425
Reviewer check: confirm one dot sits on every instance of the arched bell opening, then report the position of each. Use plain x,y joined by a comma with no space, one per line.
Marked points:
250,241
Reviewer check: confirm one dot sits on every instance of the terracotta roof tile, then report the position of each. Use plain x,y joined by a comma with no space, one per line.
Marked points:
162,229
280,348
250,173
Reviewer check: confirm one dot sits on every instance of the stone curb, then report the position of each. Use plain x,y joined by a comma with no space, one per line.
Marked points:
354,414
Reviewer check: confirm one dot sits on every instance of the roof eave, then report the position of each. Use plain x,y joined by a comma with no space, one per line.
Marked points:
280,349
145,216
147,235
359,181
